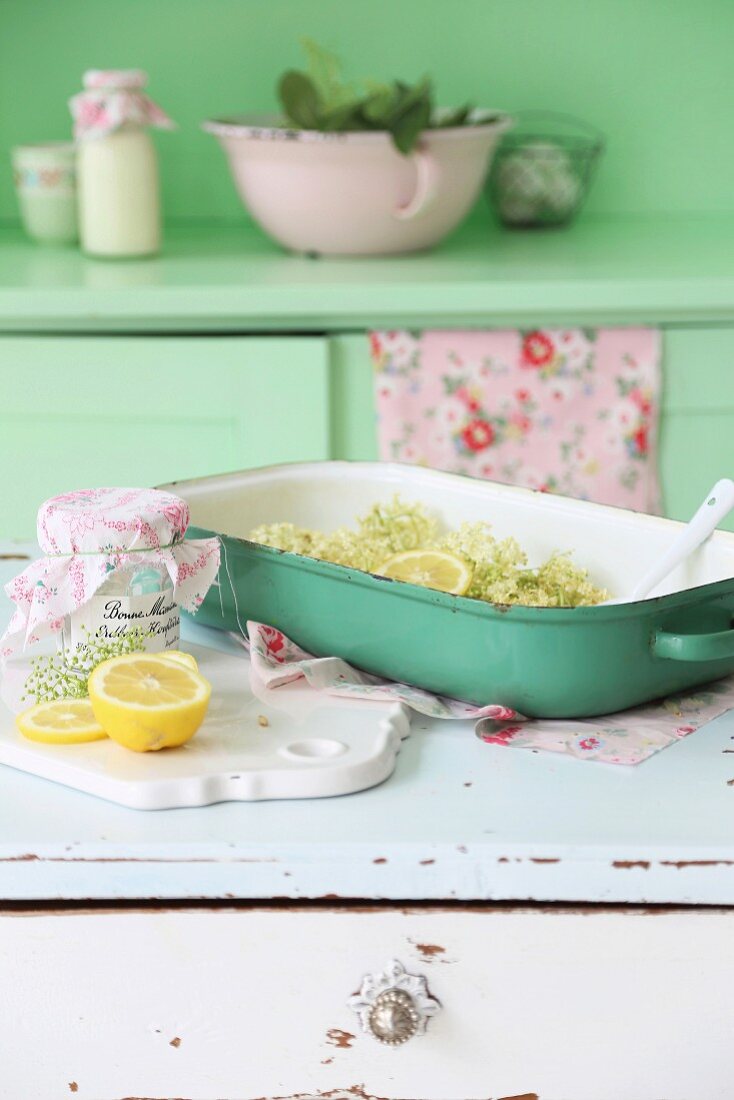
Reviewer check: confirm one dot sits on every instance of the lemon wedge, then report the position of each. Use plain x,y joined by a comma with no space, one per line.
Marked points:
61,722
180,658
146,701
429,568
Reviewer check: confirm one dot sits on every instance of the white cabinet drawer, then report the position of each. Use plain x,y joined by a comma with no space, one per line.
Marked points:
249,1002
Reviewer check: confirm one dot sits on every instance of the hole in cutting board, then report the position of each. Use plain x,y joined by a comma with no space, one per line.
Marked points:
314,748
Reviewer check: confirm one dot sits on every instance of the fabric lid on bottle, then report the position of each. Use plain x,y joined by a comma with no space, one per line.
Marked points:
115,78
113,98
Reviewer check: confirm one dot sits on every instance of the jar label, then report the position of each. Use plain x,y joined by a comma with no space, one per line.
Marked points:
155,614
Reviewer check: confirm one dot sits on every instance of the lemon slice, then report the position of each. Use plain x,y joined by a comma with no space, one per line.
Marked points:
146,701
180,658
429,568
61,722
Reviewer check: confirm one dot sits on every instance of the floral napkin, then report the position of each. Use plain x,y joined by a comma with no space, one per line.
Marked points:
628,737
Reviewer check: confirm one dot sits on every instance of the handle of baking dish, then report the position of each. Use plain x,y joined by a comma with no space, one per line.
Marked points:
694,647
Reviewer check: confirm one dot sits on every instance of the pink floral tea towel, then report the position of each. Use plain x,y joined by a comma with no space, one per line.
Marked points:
572,411
625,738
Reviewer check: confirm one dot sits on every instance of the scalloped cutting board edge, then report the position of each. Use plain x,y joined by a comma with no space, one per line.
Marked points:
313,746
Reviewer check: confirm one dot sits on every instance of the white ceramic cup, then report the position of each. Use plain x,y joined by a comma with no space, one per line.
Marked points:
45,182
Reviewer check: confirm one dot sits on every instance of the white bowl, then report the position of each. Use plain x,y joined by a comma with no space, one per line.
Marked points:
355,194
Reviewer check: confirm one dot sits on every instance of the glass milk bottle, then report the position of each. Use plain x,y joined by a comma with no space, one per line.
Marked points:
117,165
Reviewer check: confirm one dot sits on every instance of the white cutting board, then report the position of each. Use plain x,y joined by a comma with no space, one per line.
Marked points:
313,746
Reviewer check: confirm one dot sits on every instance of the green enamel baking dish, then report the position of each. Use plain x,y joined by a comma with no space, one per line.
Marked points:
544,662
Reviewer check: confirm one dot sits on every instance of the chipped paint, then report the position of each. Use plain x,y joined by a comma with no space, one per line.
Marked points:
380,859
32,857
628,864
537,859
429,951
73,1087
341,1039
357,1091
426,862
679,864
175,1042
15,557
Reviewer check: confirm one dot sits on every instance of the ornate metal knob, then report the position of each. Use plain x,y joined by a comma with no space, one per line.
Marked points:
393,1019
394,1006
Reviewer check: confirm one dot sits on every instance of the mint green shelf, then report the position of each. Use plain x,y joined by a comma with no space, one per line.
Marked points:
101,377
606,270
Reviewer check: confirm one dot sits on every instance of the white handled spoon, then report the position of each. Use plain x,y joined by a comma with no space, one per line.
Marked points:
718,503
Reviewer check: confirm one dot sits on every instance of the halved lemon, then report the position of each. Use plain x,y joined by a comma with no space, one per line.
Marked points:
146,701
180,658
61,722
429,568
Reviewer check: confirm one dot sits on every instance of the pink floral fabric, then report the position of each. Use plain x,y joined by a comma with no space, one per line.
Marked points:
572,411
112,98
625,738
87,534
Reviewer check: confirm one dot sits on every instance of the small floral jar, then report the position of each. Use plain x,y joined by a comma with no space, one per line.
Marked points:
115,561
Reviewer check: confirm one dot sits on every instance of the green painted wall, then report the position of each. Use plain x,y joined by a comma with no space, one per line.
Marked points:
655,75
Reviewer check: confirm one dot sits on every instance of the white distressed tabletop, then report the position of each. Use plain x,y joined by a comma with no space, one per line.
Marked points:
458,819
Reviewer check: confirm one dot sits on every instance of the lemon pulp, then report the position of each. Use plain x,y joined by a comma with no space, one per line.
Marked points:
180,658
61,722
431,569
147,701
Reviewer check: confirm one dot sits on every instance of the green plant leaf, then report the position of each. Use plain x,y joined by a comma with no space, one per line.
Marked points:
324,69
343,119
300,100
406,130
379,105
321,100
457,117
412,114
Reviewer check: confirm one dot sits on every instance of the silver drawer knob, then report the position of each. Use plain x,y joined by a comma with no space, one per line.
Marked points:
393,1019
394,1006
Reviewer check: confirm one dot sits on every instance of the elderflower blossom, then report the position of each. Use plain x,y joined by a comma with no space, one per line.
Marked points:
500,572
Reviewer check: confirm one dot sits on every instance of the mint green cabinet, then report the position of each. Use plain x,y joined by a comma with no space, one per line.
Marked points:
88,410
697,441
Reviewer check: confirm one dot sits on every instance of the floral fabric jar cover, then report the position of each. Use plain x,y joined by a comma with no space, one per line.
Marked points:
573,411
85,536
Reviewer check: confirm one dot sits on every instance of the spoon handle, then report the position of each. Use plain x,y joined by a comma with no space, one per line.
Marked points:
718,503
